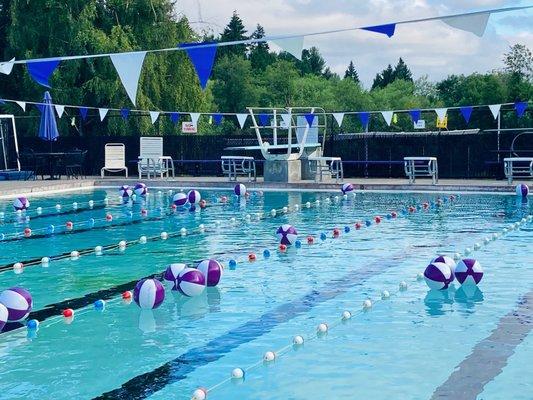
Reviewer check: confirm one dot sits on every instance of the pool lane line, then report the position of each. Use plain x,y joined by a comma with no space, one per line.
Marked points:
57,214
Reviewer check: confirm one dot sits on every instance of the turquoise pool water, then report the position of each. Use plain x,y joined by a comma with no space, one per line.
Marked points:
405,347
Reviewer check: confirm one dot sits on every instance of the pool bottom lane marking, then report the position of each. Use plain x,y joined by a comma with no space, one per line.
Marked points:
489,356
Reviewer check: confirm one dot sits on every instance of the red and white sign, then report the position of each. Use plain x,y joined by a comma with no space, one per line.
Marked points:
188,127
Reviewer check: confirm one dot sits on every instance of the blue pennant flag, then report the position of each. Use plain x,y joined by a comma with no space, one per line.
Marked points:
364,118
264,119
415,115
387,29
2,101
83,113
174,117
520,107
310,118
217,119
466,112
40,71
125,113
202,59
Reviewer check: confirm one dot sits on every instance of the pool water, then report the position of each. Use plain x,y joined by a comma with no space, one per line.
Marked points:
414,345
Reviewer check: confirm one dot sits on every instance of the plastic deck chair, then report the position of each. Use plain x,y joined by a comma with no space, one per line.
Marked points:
151,161
115,158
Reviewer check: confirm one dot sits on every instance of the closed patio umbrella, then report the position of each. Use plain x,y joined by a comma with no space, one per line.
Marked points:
48,126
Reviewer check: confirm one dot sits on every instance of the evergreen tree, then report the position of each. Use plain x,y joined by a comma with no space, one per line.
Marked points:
312,62
232,32
260,56
351,73
401,71
384,78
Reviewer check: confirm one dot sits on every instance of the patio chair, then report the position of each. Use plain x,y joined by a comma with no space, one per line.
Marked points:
115,158
151,161
73,162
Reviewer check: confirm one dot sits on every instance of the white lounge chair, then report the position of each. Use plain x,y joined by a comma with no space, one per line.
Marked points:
518,167
115,159
232,166
151,161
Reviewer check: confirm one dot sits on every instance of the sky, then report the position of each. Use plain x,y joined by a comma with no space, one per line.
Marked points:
429,48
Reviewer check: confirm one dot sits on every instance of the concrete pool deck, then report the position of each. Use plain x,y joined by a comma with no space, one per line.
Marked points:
32,188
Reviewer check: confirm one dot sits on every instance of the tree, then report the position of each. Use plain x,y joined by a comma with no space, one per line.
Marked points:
384,78
232,32
401,71
279,79
260,55
519,60
312,62
351,73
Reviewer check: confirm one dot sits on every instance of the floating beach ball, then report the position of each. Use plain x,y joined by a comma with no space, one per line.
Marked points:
239,189
438,275
468,272
522,190
179,199
140,189
148,293
172,272
212,271
287,234
194,196
18,302
21,203
446,260
3,316
125,191
347,188
191,282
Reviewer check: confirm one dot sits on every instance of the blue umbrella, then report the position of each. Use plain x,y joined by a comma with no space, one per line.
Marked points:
48,126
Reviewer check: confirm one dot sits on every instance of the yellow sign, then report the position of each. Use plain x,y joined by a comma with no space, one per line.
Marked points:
443,124
394,118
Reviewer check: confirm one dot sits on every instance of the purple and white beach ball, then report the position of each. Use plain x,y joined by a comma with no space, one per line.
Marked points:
172,272
446,260
3,316
239,189
18,302
438,275
347,188
149,293
191,282
21,203
522,190
194,196
287,234
212,271
140,189
125,191
468,272
179,199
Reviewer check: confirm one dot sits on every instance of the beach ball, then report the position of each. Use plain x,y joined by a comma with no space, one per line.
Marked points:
140,189
149,293
468,272
438,275
125,191
3,316
347,188
18,302
239,189
191,282
21,203
446,260
521,190
172,272
179,199
287,234
194,196
212,270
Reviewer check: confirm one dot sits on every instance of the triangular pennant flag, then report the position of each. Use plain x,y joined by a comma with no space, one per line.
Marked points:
286,118
387,116
441,113
174,117
466,112
83,113
364,117
495,109
60,110
338,117
125,113
242,119
264,119
129,66
6,67
202,59
474,23
2,101
310,118
153,116
415,115
520,107
194,118
293,45
387,29
22,104
217,118
103,113
40,71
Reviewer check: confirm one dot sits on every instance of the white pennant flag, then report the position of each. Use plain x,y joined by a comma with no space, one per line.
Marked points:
495,109
338,117
286,118
441,113
154,115
103,113
129,66
194,118
6,67
293,45
474,23
60,110
242,119
22,104
387,116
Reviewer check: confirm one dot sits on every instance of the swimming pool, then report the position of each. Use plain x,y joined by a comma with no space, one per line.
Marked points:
418,344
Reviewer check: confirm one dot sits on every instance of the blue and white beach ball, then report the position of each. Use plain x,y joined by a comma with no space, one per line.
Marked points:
21,203
172,272
140,189
347,188
179,199
287,234
522,190
18,302
3,316
125,191
468,272
212,271
239,189
438,275
446,260
149,293
194,196
191,282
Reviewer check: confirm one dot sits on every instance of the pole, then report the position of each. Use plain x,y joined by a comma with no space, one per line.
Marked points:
499,125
